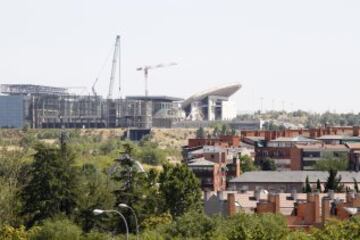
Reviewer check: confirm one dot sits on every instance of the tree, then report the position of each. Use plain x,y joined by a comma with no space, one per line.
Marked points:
216,131
53,184
136,189
318,185
329,161
307,188
259,227
200,133
356,186
58,229
180,189
333,182
247,164
268,165
224,130
94,192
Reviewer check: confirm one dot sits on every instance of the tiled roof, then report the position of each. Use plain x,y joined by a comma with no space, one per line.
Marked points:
291,176
200,162
322,146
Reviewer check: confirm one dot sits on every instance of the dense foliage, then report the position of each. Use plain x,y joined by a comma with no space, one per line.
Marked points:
50,187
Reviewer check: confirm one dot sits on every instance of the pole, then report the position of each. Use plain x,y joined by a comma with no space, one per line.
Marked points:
146,81
136,220
123,218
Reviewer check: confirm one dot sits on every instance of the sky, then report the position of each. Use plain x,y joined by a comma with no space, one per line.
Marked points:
286,54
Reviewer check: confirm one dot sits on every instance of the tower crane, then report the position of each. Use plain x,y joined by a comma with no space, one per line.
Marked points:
146,69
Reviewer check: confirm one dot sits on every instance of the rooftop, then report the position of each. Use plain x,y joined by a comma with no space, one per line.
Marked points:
322,146
155,98
291,176
294,139
200,162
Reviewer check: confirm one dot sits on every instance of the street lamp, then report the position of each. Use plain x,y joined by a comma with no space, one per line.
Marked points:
123,205
100,211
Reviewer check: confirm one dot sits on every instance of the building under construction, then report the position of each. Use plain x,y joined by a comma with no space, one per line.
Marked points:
51,107
54,107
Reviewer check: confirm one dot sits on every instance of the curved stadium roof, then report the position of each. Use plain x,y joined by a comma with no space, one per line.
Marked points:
224,91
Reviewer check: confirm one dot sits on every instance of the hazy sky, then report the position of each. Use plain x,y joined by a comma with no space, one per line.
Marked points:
305,54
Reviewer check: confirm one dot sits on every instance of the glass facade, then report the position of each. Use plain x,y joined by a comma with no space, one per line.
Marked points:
11,112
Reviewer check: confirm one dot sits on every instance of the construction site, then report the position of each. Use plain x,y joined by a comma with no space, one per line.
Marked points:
40,106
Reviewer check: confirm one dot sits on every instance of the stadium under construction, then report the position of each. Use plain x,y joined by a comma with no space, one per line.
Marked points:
53,107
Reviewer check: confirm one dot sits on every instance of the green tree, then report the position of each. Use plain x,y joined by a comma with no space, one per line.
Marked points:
53,184
58,229
200,133
268,165
259,227
94,192
136,189
333,182
356,186
318,185
247,164
180,189
329,161
307,188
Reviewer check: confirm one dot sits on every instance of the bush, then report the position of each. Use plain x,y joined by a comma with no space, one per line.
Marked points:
58,230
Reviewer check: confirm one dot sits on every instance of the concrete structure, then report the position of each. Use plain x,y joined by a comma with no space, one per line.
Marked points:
301,149
304,157
287,181
54,107
212,104
301,210
213,161
11,111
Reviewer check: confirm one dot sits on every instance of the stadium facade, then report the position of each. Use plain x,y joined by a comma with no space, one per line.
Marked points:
53,107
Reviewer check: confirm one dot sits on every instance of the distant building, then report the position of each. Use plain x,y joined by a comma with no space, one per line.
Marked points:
55,107
305,156
301,210
12,111
212,104
286,181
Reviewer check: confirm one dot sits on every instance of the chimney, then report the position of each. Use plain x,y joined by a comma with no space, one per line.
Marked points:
331,194
319,132
312,133
310,197
257,194
231,207
267,136
328,130
220,195
207,195
317,208
325,209
356,131
237,167
273,135
277,203
350,196
294,194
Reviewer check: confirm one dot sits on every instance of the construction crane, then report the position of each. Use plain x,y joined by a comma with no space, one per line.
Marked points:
146,73
116,57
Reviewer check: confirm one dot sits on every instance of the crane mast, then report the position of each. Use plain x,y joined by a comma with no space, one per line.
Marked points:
116,57
146,69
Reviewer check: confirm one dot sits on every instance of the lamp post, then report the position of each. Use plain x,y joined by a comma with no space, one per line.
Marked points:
123,205
100,211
